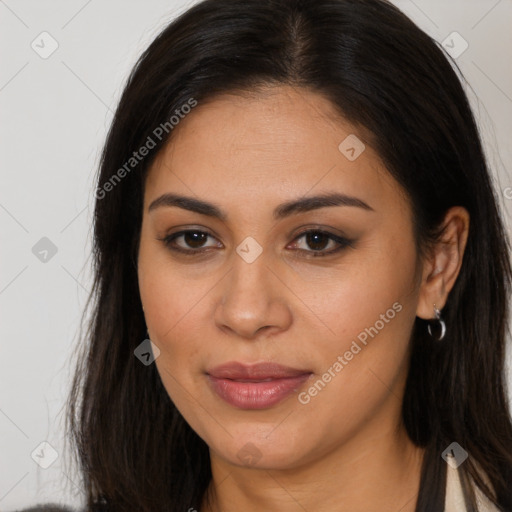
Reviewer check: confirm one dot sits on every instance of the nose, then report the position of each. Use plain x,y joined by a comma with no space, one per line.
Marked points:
254,301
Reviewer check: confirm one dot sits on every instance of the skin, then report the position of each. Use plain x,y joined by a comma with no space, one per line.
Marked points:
347,448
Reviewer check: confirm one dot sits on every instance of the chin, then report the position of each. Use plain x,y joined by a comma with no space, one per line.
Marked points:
257,451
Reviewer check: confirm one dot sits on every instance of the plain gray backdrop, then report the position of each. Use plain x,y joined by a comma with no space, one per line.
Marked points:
63,66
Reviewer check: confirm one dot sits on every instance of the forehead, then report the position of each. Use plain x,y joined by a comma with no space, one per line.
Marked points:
281,141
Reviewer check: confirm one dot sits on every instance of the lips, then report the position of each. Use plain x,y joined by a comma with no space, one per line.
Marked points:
255,372
257,386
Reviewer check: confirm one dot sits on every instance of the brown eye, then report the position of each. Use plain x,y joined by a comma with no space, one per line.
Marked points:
317,241
192,241
195,239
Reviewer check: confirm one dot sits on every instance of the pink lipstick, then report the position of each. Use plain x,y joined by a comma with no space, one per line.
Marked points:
257,386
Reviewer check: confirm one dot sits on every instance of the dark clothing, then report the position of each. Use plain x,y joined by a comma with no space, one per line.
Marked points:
47,508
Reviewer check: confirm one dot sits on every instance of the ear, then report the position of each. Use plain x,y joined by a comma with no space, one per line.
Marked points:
442,266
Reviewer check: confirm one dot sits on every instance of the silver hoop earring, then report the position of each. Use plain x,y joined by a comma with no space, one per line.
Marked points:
442,325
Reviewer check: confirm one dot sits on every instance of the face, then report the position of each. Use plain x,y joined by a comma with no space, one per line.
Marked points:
283,322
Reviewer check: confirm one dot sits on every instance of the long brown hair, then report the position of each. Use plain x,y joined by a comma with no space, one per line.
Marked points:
134,449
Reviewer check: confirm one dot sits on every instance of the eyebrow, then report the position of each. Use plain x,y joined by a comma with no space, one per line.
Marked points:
304,204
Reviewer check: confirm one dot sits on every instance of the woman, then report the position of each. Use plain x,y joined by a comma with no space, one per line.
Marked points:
294,207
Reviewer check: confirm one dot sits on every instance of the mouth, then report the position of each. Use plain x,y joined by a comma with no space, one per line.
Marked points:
257,386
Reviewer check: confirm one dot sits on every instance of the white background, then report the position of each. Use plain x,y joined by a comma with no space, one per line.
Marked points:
54,116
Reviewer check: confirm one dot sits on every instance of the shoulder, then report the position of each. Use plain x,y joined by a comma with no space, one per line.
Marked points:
454,497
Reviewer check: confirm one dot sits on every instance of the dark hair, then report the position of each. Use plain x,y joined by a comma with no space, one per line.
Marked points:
383,74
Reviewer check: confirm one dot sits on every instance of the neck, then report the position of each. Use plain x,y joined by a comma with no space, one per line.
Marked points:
370,472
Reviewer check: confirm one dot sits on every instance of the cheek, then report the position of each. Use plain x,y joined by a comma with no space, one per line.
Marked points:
176,309
374,290
162,292
370,313
170,301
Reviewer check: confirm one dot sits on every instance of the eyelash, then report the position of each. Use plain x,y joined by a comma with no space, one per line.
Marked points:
343,242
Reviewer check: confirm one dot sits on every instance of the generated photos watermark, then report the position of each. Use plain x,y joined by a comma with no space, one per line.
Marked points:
138,156
342,360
